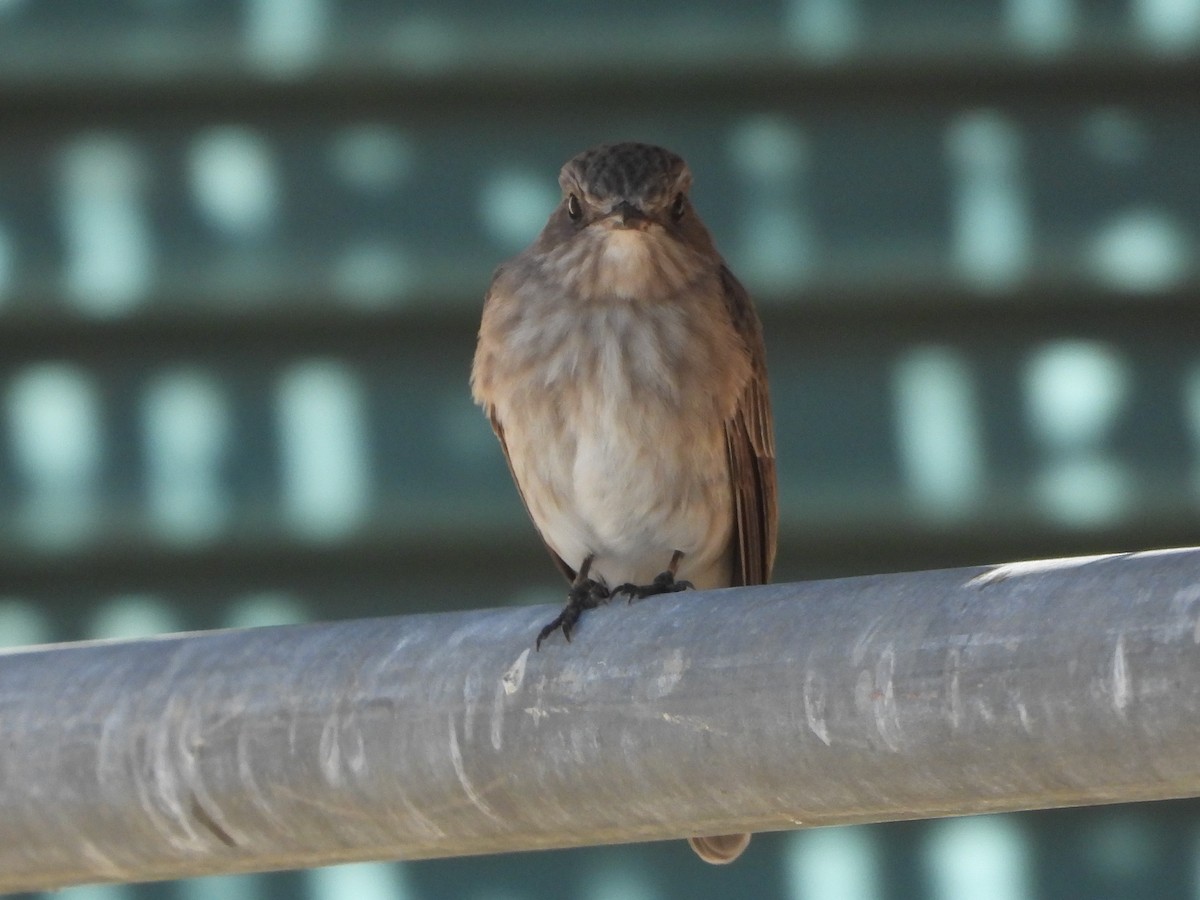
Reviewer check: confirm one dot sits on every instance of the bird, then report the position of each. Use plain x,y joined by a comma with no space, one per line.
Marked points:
622,367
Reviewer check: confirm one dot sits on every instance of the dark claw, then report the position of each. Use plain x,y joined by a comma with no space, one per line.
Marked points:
559,622
586,595
664,583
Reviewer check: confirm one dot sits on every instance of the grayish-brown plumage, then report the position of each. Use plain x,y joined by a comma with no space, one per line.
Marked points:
621,365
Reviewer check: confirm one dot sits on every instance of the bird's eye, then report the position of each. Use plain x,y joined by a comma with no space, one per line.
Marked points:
678,206
574,210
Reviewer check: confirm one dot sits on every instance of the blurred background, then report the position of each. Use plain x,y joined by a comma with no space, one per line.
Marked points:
243,248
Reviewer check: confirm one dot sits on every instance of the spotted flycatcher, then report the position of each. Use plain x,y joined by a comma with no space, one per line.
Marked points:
622,367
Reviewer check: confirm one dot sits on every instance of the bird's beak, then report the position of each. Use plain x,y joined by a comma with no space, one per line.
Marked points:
626,215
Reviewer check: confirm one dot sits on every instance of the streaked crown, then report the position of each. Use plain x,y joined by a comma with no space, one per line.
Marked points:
641,173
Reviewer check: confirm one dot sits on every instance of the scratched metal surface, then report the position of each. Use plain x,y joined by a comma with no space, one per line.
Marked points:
867,699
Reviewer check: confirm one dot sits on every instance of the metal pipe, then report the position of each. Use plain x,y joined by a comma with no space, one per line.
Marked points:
863,699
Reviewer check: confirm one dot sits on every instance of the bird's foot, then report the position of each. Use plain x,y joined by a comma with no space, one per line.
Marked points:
663,583
584,595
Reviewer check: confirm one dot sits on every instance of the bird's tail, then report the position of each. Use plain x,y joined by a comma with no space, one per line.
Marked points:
721,848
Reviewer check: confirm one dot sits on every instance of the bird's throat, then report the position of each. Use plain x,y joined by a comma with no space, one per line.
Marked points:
627,265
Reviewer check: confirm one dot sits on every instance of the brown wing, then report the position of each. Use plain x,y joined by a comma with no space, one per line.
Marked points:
499,429
750,442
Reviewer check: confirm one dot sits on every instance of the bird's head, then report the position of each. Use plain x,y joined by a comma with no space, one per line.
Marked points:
625,186
626,222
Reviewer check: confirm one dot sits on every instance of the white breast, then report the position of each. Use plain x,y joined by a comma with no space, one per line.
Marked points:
620,454
612,365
